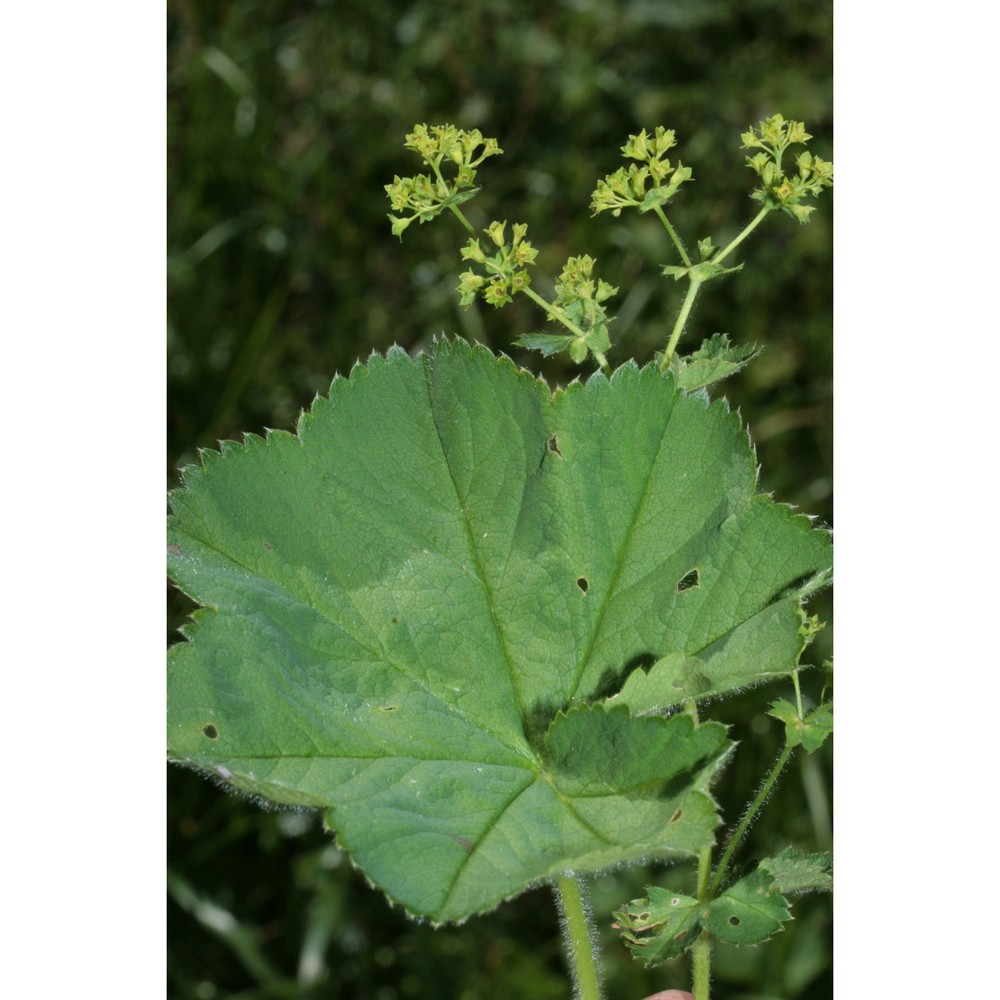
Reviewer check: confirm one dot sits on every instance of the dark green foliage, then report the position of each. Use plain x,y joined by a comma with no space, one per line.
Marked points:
285,122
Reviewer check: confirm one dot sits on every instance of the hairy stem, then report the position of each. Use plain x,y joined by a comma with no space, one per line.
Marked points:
578,935
701,954
673,235
754,223
556,314
682,317
460,215
748,817
602,361
701,951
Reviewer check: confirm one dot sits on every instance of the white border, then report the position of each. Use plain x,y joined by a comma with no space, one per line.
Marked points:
82,317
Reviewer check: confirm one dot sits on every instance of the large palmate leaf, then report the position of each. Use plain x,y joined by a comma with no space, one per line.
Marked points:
431,612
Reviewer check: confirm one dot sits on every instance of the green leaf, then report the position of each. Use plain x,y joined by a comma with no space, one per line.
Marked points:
795,872
547,343
748,912
657,196
676,271
665,924
809,732
642,752
597,338
413,608
700,273
715,360
661,927
459,197
708,269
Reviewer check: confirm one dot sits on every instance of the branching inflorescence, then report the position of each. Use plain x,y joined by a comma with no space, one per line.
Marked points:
648,184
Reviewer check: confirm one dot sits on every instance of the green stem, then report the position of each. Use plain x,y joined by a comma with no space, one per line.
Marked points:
748,816
701,951
556,314
673,235
679,325
755,222
578,935
704,874
460,215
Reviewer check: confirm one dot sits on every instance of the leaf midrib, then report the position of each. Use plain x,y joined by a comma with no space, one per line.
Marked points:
479,566
620,560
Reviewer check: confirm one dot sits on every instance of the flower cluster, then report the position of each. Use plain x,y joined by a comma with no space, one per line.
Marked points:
505,268
423,196
441,142
626,188
779,190
578,305
580,298
576,285
501,268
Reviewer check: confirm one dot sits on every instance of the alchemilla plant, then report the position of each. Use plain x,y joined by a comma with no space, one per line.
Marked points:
476,621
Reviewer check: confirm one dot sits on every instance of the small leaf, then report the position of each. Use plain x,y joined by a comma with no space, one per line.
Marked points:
700,273
547,343
661,927
748,912
459,197
597,338
715,360
708,269
809,732
795,872
657,196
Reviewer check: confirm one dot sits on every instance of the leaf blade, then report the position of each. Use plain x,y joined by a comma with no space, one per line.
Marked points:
446,567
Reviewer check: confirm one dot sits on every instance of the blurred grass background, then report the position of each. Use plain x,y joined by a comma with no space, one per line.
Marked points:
285,119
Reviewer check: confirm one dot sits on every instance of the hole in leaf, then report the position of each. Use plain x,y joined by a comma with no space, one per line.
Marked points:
389,708
735,921
583,584
676,816
553,445
687,581
210,731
